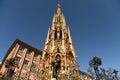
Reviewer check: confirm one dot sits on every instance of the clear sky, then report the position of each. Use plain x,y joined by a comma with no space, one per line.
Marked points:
94,25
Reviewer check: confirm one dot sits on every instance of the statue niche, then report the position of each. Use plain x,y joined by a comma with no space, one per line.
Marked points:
56,66
58,33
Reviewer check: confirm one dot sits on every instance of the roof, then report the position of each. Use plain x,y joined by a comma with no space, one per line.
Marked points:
86,74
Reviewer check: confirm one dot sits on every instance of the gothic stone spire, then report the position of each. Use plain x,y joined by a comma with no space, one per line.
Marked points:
58,19
59,42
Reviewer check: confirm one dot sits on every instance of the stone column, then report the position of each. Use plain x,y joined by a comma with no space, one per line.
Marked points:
40,57
50,66
21,62
65,62
63,38
30,63
16,48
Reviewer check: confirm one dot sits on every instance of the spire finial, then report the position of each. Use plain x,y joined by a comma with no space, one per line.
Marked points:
58,8
58,5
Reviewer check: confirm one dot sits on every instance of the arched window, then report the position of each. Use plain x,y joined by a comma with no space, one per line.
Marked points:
55,34
60,34
58,58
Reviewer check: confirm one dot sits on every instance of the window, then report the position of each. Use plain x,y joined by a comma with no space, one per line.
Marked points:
17,58
60,34
28,51
10,72
26,62
36,54
32,76
23,73
55,34
33,65
21,48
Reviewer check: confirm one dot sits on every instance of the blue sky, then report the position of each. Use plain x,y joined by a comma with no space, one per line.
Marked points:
94,25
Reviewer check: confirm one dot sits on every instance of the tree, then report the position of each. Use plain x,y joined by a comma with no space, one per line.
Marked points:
101,73
10,66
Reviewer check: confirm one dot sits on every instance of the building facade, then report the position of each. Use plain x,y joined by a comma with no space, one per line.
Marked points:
19,61
57,60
